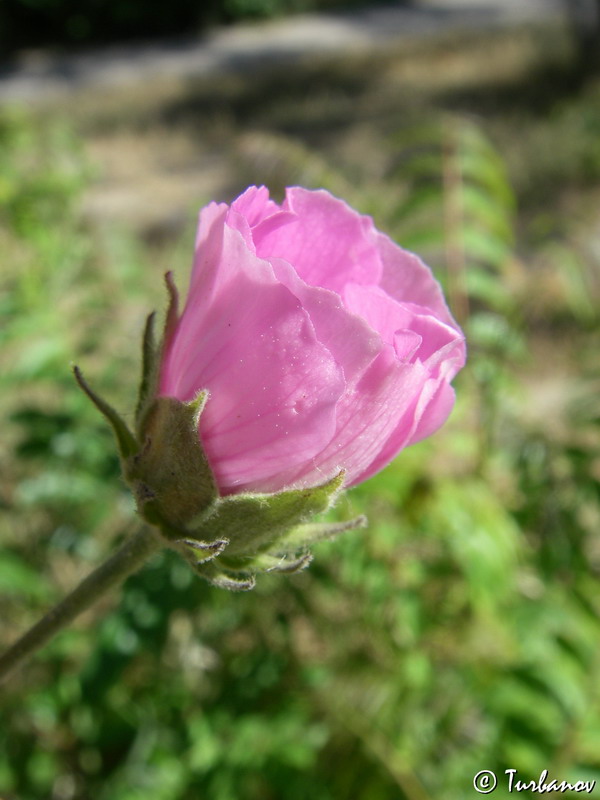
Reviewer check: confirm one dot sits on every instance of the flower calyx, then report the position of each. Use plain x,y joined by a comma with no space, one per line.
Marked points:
226,539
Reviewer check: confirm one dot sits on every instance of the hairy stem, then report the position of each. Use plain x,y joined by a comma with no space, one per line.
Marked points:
129,558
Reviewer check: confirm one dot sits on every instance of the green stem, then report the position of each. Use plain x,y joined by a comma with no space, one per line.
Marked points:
129,558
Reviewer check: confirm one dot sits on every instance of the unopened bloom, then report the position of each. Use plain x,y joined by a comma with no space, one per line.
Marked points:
311,350
323,346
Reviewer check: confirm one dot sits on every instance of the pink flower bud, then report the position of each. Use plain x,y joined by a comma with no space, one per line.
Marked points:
323,345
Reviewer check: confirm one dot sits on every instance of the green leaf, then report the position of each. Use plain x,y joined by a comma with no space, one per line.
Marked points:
485,286
19,579
480,207
424,164
483,537
487,171
424,237
427,198
486,247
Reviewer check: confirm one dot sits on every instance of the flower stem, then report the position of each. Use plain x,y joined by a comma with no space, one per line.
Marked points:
129,558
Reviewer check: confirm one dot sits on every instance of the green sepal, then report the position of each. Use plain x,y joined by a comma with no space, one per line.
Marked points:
150,366
253,523
309,533
152,353
289,553
126,441
172,317
225,580
170,475
198,552
265,562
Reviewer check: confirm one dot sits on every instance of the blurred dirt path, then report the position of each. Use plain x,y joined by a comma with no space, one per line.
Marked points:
170,125
41,77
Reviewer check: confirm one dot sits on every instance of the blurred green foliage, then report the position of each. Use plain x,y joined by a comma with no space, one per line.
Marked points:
459,633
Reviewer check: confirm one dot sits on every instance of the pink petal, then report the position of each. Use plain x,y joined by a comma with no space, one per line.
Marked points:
328,244
412,329
431,406
270,225
323,344
273,385
407,344
207,217
209,241
408,280
255,216
367,415
349,339
435,405
382,312
254,204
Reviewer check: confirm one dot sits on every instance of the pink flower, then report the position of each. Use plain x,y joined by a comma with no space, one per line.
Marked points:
323,344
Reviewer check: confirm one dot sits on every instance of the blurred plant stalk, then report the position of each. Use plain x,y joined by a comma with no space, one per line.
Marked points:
128,559
454,221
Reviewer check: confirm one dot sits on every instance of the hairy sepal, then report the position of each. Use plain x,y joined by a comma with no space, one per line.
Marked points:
263,532
289,552
150,367
126,441
153,353
225,580
226,540
254,523
170,475
310,533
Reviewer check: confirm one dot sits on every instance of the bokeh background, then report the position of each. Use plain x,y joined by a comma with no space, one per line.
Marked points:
461,631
